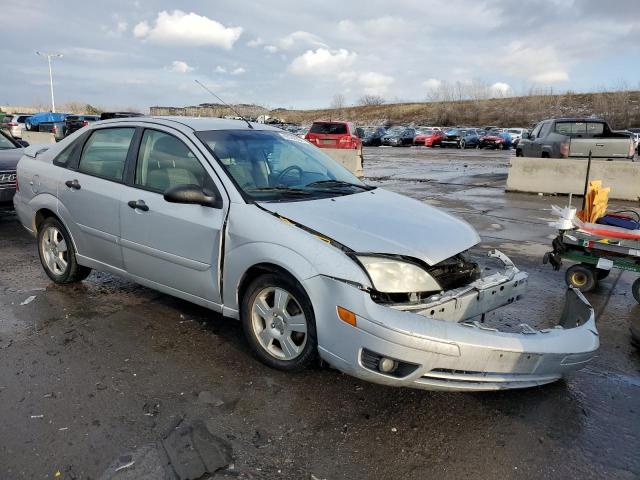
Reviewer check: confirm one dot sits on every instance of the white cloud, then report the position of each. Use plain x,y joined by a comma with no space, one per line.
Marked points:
374,83
501,88
121,26
179,66
536,63
221,69
387,27
238,71
256,42
187,29
300,39
432,84
271,48
322,61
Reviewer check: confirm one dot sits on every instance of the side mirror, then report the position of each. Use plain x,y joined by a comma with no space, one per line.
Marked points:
191,194
22,143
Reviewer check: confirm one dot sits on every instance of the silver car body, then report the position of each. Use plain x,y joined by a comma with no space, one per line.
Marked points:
14,124
203,255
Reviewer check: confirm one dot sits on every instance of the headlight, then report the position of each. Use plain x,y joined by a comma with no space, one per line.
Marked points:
395,276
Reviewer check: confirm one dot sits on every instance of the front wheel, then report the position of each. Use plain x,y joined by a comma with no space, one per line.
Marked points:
278,322
635,290
57,255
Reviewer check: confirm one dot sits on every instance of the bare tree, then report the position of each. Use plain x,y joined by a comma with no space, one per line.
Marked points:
338,102
371,100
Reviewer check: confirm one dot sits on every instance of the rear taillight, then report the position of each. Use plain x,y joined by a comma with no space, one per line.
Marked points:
55,129
12,124
564,149
85,123
632,149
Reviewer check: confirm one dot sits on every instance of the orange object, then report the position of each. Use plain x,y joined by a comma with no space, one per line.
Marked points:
347,316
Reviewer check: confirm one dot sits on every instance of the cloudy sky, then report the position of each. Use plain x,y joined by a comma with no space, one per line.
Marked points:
299,54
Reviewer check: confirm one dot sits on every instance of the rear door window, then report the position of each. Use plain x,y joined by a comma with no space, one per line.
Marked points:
580,129
105,153
329,128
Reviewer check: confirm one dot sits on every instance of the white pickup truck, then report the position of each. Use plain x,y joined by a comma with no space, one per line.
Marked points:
575,138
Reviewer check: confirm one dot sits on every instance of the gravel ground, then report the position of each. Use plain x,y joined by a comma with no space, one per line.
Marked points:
93,376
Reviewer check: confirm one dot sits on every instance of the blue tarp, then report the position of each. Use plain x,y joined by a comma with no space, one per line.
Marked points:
39,118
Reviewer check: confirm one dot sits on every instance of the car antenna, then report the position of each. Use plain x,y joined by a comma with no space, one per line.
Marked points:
226,104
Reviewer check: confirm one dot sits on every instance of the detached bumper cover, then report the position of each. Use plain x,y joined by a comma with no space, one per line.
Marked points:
448,353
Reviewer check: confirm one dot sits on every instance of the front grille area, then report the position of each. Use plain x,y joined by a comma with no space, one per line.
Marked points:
8,179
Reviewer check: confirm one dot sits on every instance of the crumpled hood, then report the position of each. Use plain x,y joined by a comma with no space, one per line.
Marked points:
9,158
380,221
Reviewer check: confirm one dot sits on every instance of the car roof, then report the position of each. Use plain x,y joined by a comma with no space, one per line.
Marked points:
194,123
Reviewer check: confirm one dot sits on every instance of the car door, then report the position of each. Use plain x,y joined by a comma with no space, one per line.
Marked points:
168,244
89,193
531,146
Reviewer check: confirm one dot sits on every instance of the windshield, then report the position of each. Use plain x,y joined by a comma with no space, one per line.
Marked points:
424,131
329,128
5,143
275,166
395,131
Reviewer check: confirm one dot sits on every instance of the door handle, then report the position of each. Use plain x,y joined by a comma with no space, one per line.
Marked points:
138,205
74,184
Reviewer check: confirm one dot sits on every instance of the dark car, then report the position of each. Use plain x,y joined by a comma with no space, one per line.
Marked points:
110,115
10,152
460,138
76,122
399,136
372,136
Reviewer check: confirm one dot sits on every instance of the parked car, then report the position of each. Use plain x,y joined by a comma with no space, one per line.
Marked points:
265,228
14,124
76,122
110,115
429,137
57,128
575,138
10,152
372,136
334,135
399,136
33,122
460,138
495,140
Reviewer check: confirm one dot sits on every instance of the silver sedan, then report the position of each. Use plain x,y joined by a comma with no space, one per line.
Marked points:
259,225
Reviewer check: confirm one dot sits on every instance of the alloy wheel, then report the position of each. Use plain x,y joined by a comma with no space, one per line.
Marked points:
54,250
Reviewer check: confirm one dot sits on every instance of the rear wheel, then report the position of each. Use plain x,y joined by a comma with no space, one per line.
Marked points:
582,277
463,144
57,254
518,152
278,322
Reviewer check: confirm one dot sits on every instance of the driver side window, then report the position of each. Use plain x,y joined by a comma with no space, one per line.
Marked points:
165,162
536,131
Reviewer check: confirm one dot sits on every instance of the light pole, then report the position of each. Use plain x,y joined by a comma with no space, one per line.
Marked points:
49,56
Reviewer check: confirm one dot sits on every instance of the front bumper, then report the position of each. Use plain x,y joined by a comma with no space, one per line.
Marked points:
442,346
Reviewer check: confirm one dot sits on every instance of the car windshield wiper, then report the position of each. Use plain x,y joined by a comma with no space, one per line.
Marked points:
284,190
337,183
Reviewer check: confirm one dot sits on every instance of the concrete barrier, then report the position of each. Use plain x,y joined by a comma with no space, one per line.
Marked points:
349,158
563,175
38,138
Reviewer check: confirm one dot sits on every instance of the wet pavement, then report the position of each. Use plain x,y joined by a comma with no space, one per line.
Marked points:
96,376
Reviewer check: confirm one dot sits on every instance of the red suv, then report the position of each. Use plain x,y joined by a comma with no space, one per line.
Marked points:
333,135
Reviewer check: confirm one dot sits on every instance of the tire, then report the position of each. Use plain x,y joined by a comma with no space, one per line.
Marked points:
545,155
602,274
57,254
463,144
635,290
281,346
519,152
582,277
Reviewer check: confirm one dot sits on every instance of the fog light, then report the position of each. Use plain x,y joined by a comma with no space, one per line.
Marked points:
387,365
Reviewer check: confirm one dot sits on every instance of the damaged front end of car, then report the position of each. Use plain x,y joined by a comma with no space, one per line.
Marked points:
439,340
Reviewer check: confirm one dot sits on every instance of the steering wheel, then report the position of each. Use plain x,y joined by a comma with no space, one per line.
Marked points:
288,170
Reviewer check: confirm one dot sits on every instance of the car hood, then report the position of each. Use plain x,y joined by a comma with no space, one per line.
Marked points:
9,158
379,221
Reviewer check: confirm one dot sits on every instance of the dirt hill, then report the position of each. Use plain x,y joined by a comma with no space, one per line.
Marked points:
620,109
